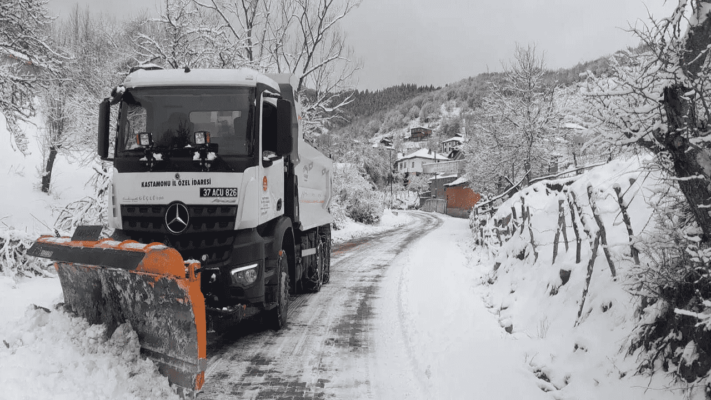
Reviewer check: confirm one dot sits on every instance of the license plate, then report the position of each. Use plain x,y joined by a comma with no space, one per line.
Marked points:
218,192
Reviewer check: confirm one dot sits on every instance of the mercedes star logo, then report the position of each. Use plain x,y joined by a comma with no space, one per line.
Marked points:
177,218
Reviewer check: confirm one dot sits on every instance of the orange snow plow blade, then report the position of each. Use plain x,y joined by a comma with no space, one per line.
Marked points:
150,286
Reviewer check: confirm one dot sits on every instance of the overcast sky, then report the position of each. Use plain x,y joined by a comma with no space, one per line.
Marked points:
438,42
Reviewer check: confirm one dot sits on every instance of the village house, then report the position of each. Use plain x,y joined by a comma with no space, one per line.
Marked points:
412,163
437,184
419,134
452,143
460,198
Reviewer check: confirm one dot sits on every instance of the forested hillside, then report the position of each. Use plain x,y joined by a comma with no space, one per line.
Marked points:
459,107
366,103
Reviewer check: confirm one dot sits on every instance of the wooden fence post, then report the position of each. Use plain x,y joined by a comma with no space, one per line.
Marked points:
523,214
591,263
530,232
578,239
626,220
601,230
561,226
498,233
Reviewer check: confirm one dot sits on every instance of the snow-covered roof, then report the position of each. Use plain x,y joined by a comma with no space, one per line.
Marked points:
455,139
443,176
198,77
423,153
459,181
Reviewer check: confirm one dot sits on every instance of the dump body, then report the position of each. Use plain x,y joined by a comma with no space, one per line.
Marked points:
314,177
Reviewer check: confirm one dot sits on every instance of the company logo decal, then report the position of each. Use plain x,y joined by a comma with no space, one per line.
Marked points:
182,182
177,218
307,168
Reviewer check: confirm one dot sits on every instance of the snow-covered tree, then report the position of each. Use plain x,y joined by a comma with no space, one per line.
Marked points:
301,37
185,35
354,196
658,96
69,100
429,110
418,183
27,58
516,124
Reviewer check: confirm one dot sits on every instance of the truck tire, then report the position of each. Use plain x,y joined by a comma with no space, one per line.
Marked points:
325,238
326,256
277,315
313,283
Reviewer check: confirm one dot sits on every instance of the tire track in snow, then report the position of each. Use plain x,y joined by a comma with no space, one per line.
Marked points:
394,338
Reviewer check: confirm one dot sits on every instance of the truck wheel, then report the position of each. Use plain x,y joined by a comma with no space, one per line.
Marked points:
277,315
313,283
326,256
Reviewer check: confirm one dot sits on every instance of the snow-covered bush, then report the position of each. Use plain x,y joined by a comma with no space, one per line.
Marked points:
674,284
418,183
14,260
393,120
90,210
354,197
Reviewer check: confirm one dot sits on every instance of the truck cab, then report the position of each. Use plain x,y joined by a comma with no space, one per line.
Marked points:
213,163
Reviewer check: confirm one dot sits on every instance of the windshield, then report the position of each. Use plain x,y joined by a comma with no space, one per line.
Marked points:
173,115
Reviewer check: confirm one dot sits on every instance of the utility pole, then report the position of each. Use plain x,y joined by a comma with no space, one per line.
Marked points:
390,152
391,176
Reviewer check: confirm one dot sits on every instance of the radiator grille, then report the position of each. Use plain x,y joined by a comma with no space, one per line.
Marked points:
210,230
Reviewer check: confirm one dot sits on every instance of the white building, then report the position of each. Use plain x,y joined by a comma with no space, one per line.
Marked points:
412,163
451,143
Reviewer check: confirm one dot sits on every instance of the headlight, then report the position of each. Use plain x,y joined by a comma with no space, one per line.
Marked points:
244,275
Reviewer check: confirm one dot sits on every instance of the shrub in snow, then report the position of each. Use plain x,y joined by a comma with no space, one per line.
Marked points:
354,197
90,210
13,255
674,284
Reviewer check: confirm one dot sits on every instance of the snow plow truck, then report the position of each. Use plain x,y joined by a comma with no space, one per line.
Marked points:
219,207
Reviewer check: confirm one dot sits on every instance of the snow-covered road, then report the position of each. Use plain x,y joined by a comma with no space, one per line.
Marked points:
401,318
435,337
326,351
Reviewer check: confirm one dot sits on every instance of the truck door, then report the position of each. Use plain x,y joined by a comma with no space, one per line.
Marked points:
271,193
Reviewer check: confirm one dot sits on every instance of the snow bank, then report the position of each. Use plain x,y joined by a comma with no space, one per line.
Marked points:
586,357
46,353
352,230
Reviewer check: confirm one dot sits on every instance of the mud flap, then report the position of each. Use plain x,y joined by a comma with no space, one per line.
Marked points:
150,286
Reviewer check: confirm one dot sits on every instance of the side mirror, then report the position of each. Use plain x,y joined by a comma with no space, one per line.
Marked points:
285,138
103,134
